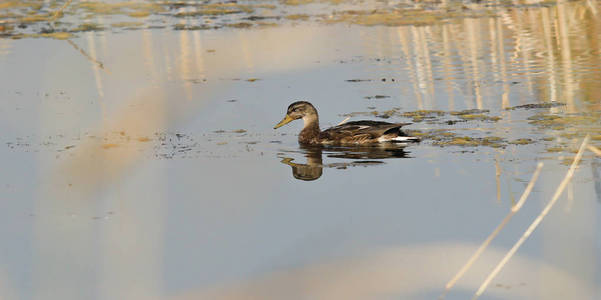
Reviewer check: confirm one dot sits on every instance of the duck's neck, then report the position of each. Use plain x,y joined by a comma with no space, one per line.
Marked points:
310,132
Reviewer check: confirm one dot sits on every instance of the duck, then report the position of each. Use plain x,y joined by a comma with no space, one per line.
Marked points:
349,133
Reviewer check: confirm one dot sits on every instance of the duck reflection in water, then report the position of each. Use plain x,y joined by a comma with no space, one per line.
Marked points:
360,156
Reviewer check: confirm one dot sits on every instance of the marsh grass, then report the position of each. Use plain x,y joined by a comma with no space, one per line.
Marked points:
514,209
536,221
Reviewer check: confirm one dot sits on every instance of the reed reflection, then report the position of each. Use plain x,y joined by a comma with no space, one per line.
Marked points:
360,156
596,169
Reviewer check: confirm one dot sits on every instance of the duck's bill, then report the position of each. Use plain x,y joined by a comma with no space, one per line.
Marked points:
283,122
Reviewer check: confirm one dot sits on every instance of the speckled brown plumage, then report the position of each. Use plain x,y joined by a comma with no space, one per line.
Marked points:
357,132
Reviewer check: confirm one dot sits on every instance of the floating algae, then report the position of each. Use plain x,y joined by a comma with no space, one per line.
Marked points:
380,114
388,18
139,14
400,17
586,122
459,141
466,141
445,137
55,35
377,97
469,112
522,141
4,5
127,24
423,113
216,9
475,114
295,17
480,117
536,105
35,18
555,149
303,2
134,9
85,27
240,25
192,27
431,116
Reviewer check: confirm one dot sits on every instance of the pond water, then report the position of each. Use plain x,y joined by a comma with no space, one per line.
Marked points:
140,160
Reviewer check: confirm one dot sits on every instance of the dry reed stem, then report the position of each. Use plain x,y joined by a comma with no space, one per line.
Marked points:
594,149
536,221
59,11
514,210
86,55
100,65
344,121
498,177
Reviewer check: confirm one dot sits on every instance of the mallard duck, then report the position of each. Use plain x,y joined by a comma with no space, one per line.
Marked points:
357,132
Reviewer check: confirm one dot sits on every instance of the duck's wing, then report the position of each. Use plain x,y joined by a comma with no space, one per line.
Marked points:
360,131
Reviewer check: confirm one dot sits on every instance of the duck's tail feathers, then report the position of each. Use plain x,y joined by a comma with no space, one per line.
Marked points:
405,139
398,139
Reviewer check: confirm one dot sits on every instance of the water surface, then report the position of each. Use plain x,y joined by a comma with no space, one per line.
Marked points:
142,163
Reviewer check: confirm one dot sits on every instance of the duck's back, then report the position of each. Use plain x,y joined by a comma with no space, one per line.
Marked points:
364,132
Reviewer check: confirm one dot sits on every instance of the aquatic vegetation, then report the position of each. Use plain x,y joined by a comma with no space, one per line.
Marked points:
139,14
11,4
480,117
388,18
37,12
467,141
88,27
475,114
589,122
304,2
54,35
525,141
192,27
400,17
445,137
555,149
215,10
469,112
295,17
536,105
29,19
127,24
377,97
423,113
124,8
240,25
357,80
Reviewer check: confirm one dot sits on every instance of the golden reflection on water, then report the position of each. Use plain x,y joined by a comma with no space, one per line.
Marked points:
553,49
403,273
5,47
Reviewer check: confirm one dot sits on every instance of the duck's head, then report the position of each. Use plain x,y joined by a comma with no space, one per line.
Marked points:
299,110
